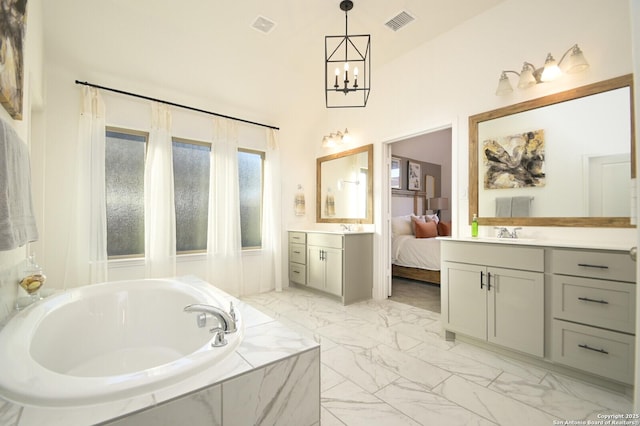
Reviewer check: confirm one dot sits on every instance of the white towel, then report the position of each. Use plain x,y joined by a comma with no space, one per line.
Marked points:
521,206
17,222
503,206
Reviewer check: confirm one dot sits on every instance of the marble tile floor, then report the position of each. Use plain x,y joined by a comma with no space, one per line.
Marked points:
384,363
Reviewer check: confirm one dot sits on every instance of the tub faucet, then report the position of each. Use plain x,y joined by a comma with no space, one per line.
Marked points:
227,320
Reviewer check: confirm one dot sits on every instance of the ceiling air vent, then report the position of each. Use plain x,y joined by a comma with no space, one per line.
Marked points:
400,20
264,25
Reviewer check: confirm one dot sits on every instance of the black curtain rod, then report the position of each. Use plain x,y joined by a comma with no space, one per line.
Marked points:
122,92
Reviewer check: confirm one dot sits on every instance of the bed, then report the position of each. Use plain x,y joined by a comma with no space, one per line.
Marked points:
416,254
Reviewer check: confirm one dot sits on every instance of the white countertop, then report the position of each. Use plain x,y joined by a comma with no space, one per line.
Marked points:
543,243
338,232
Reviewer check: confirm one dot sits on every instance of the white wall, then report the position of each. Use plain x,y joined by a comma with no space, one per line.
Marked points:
455,76
11,260
437,85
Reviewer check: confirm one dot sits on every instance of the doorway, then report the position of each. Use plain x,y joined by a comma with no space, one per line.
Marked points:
427,158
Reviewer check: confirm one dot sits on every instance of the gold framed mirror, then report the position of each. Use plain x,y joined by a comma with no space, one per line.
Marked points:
344,186
567,137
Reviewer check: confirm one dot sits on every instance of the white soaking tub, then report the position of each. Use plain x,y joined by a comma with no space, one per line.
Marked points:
106,342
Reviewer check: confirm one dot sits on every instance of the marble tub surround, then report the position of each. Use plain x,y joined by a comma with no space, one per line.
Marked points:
273,368
384,363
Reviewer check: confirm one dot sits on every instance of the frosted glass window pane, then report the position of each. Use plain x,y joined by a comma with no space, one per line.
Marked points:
191,163
250,178
124,178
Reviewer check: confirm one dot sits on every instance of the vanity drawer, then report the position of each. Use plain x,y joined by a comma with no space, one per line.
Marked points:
606,304
297,253
325,240
298,273
602,352
297,237
594,264
504,255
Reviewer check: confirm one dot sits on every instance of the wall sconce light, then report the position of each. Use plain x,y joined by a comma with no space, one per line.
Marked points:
338,138
529,76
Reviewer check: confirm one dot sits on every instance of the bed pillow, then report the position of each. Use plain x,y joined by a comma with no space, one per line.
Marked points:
401,225
415,219
431,218
426,229
444,229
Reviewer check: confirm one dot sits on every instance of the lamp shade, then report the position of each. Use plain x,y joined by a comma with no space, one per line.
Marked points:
438,203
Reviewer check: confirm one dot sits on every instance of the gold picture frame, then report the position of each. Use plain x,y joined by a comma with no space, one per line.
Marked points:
13,16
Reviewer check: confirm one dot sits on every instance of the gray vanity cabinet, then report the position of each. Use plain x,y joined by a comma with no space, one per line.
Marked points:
594,304
494,293
338,264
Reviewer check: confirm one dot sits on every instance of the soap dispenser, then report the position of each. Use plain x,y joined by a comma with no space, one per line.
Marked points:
474,226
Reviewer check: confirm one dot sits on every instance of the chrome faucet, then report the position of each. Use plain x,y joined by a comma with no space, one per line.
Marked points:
505,233
345,227
227,320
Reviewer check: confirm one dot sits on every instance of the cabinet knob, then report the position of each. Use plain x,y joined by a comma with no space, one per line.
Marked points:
633,253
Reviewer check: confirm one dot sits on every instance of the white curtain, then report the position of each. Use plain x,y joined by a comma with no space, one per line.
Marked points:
159,208
271,223
86,260
224,242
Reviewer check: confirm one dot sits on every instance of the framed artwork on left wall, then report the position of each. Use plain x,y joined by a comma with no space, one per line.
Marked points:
396,172
413,176
13,15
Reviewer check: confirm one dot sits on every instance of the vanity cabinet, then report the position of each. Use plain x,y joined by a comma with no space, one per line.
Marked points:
324,252
494,293
339,264
593,308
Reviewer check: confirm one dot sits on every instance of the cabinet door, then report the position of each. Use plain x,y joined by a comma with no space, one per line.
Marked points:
333,271
315,267
464,299
516,309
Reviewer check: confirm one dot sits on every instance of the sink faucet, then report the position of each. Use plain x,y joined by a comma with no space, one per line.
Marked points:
505,233
346,227
227,320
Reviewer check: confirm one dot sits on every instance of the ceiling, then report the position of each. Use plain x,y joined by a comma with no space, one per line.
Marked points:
207,49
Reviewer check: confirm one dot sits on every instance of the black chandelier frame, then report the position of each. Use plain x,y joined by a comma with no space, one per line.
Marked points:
354,50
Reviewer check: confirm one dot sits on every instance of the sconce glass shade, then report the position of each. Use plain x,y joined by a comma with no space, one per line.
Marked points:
527,79
346,137
551,70
575,62
504,86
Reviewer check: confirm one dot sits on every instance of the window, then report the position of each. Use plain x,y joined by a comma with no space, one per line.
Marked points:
250,173
124,179
124,175
191,165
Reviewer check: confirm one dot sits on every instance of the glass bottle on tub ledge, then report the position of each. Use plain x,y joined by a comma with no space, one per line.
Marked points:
33,278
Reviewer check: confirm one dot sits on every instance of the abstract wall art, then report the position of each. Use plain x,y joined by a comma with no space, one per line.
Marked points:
515,161
13,16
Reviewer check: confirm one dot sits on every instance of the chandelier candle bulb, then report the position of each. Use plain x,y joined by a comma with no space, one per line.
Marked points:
337,74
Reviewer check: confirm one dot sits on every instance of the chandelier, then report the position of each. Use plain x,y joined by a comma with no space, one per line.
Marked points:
347,72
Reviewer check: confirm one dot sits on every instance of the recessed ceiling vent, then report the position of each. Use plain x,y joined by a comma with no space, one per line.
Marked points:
400,20
264,25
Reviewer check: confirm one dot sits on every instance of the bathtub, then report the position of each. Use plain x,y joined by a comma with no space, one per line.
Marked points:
106,342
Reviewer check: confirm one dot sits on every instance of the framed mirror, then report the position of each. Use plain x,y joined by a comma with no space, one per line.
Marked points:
344,186
565,159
